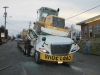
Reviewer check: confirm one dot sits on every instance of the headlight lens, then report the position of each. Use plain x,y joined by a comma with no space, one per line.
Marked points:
43,50
75,48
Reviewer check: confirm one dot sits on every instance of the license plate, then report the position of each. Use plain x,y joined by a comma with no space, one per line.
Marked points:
67,58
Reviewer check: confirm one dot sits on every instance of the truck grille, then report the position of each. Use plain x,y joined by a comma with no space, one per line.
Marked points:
60,49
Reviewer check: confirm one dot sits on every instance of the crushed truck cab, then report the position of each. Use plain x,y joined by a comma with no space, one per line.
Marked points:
51,47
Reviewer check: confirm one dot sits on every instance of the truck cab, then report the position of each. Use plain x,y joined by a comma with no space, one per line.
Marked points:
50,47
45,11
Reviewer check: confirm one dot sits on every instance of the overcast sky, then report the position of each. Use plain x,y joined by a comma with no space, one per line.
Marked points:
20,12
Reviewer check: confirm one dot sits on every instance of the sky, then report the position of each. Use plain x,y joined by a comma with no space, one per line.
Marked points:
21,12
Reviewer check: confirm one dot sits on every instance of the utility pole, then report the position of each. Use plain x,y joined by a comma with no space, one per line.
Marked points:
29,24
5,15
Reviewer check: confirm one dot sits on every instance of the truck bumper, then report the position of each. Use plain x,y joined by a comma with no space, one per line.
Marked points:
58,59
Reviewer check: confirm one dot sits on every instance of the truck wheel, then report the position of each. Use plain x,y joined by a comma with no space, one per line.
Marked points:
37,57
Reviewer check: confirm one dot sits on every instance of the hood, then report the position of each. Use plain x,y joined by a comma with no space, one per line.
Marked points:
58,40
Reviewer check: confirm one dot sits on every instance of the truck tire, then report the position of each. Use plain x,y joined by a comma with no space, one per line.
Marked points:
37,57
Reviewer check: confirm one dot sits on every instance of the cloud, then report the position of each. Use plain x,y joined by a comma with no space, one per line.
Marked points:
23,11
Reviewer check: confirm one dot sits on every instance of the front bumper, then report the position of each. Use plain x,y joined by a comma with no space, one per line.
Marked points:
52,58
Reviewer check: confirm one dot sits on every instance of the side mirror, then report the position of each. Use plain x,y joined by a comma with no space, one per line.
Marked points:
44,38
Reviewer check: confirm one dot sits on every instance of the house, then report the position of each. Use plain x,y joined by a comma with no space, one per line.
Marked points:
90,27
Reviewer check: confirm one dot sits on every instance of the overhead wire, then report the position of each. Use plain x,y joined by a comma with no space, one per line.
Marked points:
15,31
82,12
69,17
15,26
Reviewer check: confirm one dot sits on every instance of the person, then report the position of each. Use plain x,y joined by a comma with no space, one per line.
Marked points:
87,47
28,47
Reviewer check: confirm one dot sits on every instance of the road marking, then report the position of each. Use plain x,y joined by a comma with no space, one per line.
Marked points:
6,67
85,71
23,71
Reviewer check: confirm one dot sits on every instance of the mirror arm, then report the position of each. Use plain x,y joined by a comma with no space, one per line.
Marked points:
44,43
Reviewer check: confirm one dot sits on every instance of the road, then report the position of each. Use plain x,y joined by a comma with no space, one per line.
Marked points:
13,62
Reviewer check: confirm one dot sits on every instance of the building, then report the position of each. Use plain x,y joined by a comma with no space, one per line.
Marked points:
90,27
3,34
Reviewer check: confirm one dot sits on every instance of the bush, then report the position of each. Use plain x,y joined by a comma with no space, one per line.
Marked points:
94,48
97,35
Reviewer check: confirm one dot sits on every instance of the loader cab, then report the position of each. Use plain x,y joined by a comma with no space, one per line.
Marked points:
55,21
45,11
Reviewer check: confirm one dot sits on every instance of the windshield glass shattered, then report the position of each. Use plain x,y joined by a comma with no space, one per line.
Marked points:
47,12
44,33
58,22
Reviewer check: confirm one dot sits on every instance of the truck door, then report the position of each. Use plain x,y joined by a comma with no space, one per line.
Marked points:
33,37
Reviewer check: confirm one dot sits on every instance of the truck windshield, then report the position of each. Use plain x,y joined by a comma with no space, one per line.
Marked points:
58,22
32,34
44,33
47,12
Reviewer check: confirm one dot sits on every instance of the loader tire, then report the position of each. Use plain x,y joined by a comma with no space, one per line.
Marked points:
37,57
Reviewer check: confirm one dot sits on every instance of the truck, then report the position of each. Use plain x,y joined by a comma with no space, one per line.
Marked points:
48,40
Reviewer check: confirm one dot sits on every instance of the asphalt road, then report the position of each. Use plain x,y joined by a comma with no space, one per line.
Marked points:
13,62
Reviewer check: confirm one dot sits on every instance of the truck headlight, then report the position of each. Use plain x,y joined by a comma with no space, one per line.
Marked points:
43,50
75,48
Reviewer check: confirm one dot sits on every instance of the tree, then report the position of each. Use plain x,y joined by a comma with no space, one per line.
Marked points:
72,30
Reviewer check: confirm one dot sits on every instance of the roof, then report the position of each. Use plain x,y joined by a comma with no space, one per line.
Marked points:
89,20
48,8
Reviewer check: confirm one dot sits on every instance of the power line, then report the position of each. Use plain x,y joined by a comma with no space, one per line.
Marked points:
82,12
15,26
15,31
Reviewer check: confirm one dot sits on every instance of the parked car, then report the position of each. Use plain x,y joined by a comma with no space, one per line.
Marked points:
17,39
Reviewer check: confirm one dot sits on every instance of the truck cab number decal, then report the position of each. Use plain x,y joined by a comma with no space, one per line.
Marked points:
57,57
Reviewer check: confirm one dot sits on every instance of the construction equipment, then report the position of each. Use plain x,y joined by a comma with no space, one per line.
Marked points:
48,39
